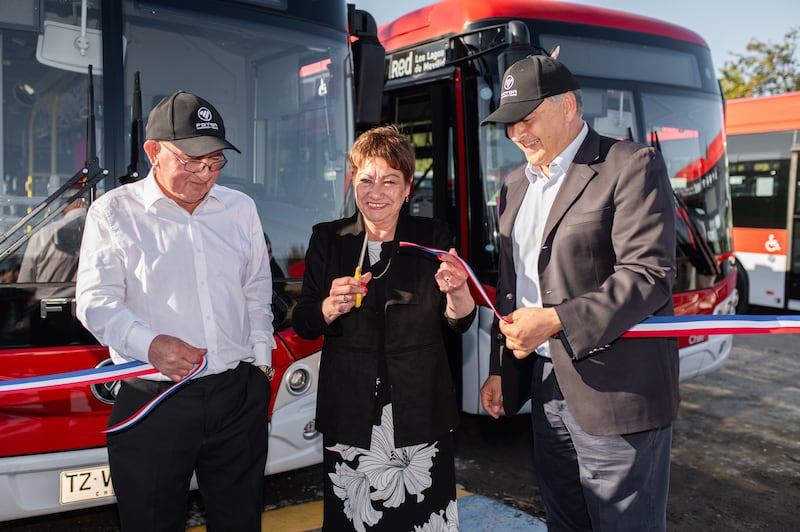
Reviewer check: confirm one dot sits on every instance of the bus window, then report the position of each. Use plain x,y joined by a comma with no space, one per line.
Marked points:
611,112
759,193
499,157
283,95
600,58
688,132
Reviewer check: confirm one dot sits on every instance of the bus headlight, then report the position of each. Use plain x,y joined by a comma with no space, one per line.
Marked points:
298,381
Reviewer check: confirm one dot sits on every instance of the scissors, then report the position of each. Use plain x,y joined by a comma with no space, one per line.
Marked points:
357,275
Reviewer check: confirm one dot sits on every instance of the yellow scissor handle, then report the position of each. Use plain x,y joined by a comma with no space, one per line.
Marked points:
357,276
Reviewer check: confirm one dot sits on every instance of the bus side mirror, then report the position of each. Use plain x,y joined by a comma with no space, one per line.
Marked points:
369,59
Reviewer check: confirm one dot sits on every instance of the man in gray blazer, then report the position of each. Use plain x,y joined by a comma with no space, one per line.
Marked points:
587,250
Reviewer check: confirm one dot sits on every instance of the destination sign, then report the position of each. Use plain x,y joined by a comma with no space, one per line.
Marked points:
418,60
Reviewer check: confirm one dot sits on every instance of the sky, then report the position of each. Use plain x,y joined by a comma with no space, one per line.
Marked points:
726,26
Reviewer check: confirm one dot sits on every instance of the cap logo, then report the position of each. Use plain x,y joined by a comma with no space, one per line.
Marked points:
204,114
508,92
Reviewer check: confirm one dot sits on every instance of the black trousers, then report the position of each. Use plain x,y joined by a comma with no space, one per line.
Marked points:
216,427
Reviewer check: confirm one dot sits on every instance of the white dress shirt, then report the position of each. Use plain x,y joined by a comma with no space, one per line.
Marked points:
529,225
149,267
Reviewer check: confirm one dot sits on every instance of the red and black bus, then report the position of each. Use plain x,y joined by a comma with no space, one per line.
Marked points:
641,79
78,79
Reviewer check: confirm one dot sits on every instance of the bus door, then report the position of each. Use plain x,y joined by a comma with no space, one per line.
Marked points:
421,112
764,214
427,114
441,116
794,237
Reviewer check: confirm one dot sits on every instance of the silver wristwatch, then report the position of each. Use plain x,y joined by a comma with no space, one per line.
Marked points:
269,371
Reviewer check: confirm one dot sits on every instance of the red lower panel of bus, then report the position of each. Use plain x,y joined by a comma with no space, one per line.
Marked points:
702,302
74,418
686,303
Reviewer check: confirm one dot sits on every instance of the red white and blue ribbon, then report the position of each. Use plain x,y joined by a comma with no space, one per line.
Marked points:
656,326
198,370
103,374
85,376
703,324
660,326
472,277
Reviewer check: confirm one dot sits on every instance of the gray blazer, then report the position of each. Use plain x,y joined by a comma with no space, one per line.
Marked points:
607,262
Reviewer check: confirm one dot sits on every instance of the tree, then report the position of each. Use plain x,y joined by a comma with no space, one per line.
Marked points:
764,69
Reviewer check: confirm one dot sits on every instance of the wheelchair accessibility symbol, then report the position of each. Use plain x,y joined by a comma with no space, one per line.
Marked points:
772,245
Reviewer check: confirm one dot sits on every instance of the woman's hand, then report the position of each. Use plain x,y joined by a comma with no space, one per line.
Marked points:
452,279
342,296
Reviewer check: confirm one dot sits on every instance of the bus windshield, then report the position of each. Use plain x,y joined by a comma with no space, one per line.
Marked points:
280,84
282,93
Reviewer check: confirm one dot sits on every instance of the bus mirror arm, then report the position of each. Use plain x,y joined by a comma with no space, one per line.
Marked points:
369,57
510,41
83,181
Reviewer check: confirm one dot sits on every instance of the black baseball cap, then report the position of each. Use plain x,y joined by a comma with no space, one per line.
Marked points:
189,122
526,84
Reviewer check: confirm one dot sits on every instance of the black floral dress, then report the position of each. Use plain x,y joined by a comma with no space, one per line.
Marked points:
384,487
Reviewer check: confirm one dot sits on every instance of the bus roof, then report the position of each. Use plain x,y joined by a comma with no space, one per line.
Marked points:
780,112
452,15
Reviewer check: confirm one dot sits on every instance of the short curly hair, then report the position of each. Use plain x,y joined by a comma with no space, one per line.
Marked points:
387,143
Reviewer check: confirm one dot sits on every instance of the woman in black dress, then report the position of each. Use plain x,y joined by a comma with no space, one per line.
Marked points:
386,404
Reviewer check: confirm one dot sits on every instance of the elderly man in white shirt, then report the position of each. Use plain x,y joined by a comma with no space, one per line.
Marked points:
174,268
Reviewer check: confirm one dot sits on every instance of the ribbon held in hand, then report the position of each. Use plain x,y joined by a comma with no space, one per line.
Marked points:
660,326
471,277
198,370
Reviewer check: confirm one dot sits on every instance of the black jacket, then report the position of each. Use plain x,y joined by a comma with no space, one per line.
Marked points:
408,330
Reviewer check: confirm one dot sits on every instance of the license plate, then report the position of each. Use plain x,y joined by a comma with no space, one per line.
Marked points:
85,484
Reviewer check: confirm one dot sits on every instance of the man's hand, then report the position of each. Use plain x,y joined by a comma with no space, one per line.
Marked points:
173,357
530,327
491,396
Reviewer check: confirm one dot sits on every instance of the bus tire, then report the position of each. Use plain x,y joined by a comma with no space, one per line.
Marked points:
743,287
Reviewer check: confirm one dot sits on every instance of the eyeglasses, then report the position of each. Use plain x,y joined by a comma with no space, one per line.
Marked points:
196,166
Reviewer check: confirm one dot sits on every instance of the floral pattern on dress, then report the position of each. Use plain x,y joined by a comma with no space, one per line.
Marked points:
352,487
386,474
445,521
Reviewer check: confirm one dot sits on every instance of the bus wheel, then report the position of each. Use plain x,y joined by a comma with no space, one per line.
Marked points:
743,287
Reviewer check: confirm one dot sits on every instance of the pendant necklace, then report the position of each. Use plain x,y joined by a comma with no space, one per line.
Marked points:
375,252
